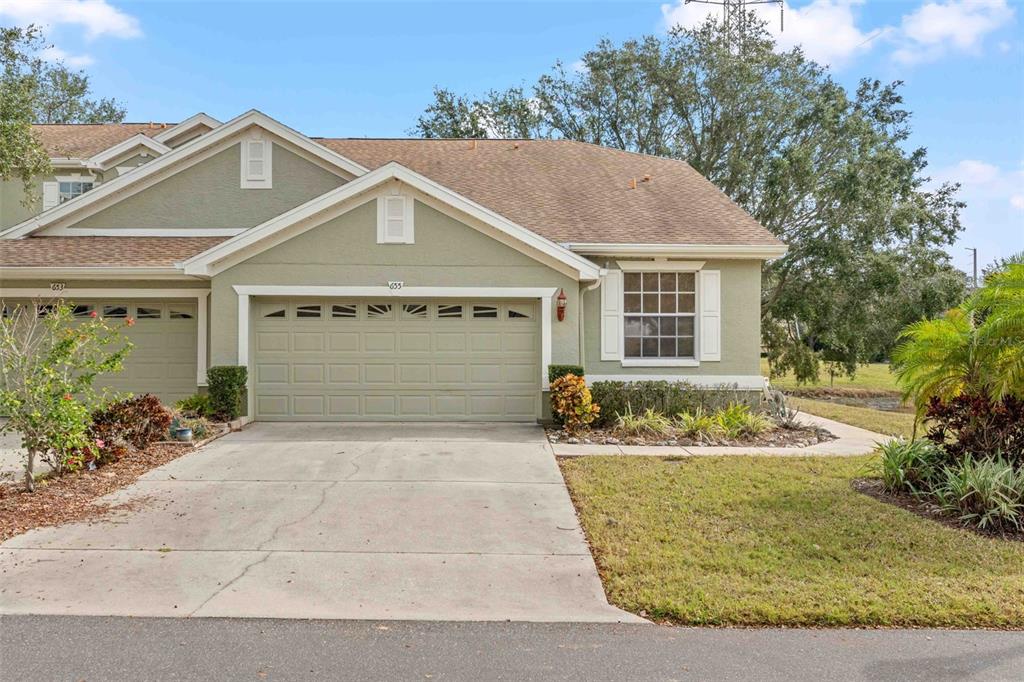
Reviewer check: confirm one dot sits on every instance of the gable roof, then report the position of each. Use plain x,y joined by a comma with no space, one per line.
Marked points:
317,211
140,176
127,145
200,120
573,192
83,140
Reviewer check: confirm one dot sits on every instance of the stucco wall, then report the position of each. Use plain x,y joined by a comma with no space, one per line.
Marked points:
741,326
344,251
12,211
209,195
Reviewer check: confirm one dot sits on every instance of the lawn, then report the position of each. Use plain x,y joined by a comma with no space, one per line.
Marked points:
875,377
783,541
879,421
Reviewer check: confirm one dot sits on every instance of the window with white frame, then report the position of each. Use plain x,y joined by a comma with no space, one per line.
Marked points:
395,219
659,311
69,189
257,171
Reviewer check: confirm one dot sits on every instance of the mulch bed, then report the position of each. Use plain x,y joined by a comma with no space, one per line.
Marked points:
785,438
872,487
72,497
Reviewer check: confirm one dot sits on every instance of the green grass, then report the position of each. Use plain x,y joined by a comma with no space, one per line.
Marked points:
781,541
875,377
879,421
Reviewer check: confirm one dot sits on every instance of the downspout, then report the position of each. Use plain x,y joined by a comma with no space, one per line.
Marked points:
582,331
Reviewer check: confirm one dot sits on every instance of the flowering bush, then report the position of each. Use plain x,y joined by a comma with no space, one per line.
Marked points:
48,362
572,403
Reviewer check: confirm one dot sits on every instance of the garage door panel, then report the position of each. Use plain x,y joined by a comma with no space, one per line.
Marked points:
272,373
308,405
415,360
344,374
307,374
343,342
307,342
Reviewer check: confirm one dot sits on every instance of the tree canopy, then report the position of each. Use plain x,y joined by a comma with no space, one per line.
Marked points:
34,90
824,169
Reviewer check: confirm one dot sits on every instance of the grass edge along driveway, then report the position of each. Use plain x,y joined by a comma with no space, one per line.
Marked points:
763,541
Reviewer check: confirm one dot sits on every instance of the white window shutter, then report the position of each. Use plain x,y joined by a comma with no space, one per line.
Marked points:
711,315
611,316
51,194
395,219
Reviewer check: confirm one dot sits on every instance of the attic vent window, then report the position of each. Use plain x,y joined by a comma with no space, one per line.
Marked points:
257,171
395,219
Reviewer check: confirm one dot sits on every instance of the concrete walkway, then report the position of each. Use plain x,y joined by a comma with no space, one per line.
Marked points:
367,521
850,441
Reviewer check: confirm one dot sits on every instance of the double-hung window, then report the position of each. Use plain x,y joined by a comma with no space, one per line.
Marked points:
660,311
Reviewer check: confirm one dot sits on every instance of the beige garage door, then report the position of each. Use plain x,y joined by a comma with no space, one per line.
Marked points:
163,359
396,360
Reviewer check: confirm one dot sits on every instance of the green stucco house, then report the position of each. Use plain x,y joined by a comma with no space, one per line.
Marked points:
375,279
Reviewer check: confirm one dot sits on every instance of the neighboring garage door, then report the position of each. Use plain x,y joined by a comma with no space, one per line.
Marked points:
163,358
396,360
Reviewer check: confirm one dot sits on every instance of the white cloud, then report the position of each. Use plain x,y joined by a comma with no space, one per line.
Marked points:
994,218
825,29
97,17
1017,201
937,28
55,54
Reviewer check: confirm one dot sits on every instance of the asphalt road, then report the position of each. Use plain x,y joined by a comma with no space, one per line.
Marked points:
110,648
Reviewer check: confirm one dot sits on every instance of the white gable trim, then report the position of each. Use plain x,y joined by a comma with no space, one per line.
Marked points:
718,251
104,159
189,124
317,211
190,154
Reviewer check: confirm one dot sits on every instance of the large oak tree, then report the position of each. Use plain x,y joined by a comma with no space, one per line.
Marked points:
826,170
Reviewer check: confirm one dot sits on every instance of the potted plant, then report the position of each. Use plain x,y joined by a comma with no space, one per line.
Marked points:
180,431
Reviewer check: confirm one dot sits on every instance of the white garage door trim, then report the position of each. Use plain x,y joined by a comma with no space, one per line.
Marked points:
201,296
245,291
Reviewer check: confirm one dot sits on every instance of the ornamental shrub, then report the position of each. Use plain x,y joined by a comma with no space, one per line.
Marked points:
973,425
556,371
572,403
133,423
666,397
197,405
910,466
987,492
644,423
226,385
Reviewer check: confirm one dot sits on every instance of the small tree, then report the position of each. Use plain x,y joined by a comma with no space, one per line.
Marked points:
48,362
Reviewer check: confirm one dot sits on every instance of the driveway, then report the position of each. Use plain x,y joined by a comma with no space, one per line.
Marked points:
369,521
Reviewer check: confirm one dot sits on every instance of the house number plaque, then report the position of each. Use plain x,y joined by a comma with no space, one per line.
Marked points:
395,286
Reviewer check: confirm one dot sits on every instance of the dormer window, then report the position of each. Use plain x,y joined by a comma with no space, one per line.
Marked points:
257,171
395,219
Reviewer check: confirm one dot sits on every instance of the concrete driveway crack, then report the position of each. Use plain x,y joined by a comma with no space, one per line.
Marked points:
277,530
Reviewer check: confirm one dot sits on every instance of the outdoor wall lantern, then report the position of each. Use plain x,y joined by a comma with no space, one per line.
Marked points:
561,302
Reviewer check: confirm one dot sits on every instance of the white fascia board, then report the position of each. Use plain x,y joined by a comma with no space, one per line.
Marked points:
176,155
208,263
383,291
144,232
111,292
707,251
103,159
68,162
185,126
19,272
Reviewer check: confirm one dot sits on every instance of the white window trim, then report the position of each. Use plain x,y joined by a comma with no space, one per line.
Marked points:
408,222
266,180
655,267
202,306
246,292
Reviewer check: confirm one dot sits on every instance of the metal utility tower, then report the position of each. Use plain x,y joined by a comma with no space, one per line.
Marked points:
734,12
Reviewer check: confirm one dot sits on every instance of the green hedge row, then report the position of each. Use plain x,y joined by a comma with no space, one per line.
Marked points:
667,397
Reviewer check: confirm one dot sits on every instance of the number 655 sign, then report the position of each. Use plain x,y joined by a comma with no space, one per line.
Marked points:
395,286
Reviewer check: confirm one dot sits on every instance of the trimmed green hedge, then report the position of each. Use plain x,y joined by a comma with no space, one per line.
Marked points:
227,388
667,397
556,371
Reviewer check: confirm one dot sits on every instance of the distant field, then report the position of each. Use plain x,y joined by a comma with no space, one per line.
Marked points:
879,421
874,377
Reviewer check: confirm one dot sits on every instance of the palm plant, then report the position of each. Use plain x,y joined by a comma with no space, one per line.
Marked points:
1000,306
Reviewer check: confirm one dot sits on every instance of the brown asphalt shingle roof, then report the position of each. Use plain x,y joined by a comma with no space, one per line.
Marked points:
569,192
82,140
573,192
129,252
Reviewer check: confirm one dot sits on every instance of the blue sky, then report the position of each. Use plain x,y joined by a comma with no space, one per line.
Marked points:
367,69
